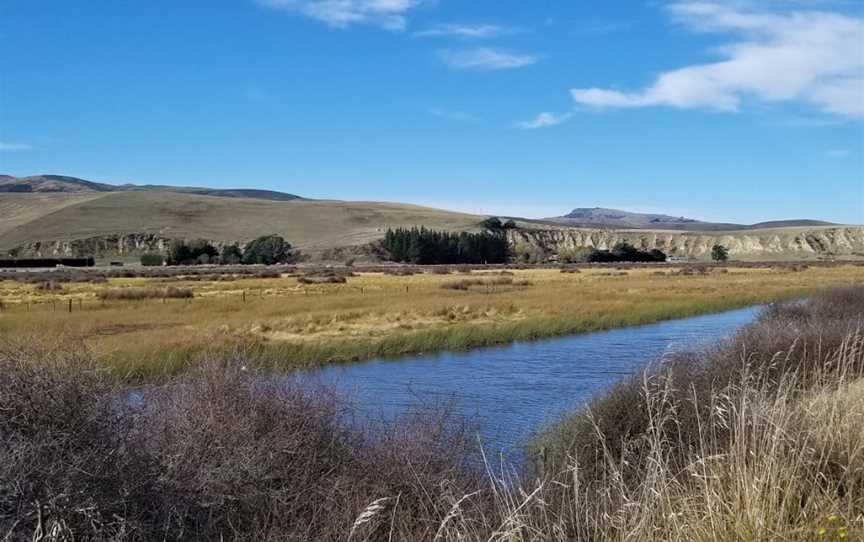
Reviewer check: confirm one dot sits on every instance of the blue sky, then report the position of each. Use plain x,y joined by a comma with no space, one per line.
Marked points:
734,111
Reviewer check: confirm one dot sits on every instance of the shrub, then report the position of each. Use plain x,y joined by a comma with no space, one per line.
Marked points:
466,284
220,453
152,260
49,286
145,293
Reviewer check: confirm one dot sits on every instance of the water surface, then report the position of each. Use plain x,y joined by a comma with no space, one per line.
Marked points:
513,390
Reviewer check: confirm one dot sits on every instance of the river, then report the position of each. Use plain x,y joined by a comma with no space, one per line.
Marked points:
511,391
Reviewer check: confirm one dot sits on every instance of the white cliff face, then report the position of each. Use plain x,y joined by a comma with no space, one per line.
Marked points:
112,245
769,244
789,243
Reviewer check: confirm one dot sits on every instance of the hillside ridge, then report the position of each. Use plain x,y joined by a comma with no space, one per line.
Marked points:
66,184
602,217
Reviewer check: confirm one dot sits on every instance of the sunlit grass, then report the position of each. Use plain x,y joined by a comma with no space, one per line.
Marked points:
288,324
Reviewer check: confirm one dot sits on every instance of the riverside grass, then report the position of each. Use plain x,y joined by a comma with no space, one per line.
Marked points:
285,324
775,452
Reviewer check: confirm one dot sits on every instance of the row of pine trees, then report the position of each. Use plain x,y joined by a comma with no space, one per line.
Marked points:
429,247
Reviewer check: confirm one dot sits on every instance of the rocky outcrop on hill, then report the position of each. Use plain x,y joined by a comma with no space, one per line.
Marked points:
791,243
132,244
539,244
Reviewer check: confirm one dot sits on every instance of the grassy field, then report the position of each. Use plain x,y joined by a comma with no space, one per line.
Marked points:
284,323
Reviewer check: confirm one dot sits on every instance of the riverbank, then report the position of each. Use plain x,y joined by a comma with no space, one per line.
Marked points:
757,438
296,320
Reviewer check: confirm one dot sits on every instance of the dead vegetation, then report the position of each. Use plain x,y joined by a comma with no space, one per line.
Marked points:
755,438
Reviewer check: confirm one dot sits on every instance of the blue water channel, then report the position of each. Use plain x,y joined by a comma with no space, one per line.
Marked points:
511,391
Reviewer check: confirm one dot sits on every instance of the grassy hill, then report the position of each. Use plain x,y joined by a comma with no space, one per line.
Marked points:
309,225
51,214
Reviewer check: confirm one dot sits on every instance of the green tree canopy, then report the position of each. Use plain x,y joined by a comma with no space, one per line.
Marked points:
267,250
719,253
231,255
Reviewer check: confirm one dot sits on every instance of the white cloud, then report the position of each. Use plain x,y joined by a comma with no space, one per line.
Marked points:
812,57
5,146
388,14
544,120
482,31
448,114
839,153
486,58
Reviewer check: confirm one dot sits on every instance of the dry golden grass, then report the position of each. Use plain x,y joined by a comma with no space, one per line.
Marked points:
291,324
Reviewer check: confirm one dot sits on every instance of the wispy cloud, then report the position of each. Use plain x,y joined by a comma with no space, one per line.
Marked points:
810,57
467,31
839,153
6,146
544,120
459,116
387,14
486,58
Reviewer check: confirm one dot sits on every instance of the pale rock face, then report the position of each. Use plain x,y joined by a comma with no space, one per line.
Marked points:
770,244
133,244
794,243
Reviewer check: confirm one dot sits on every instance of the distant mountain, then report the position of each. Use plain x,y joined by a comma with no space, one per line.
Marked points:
69,185
51,183
599,217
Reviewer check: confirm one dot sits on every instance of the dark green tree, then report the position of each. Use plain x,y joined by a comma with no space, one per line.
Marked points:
492,223
719,253
231,255
191,253
179,253
422,246
267,250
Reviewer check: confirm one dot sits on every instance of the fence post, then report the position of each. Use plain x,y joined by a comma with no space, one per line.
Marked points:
244,296
80,304
70,305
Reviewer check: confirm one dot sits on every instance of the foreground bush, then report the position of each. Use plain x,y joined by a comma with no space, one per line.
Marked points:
757,438
220,453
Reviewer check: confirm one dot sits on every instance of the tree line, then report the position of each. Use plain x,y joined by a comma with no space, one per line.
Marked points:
625,252
265,250
429,247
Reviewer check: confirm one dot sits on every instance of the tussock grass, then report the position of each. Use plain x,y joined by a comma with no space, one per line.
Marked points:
289,324
756,438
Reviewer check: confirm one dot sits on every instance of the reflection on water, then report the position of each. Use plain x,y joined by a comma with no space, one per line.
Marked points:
513,390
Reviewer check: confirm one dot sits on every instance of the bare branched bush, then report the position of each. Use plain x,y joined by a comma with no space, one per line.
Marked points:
145,293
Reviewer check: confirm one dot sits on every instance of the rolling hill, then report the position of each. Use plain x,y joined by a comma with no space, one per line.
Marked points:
599,217
142,218
52,215
42,184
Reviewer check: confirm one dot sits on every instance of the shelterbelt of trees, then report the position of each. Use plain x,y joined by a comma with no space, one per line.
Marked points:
266,250
425,247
